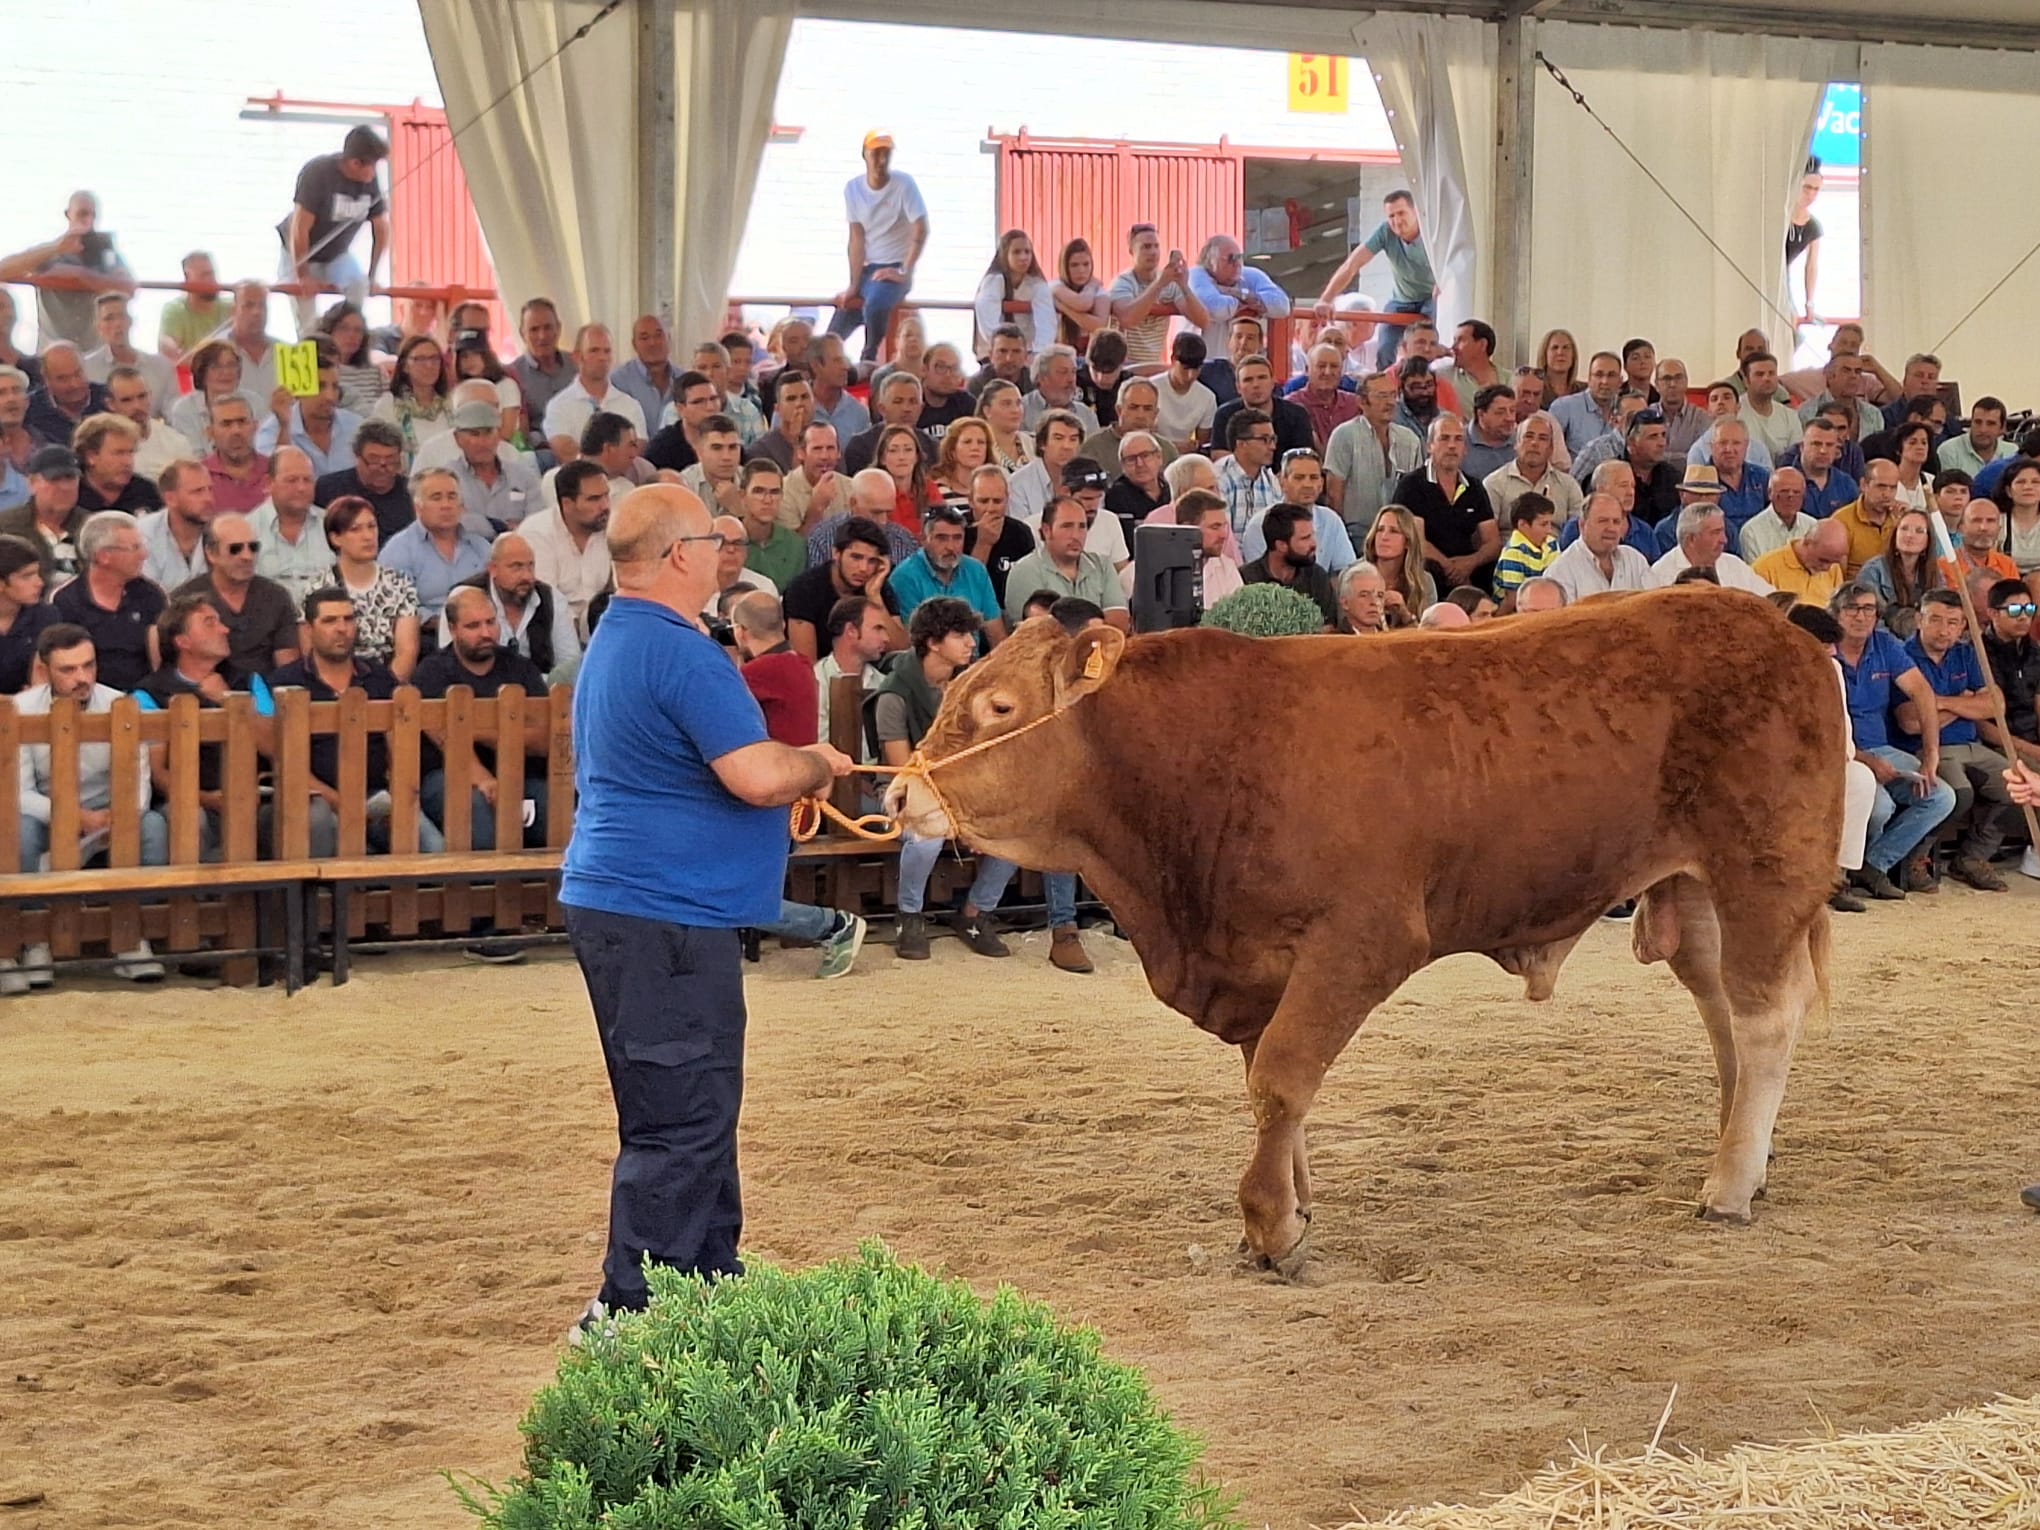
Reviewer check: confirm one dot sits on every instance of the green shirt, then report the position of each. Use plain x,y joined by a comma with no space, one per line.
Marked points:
1096,582
190,330
780,559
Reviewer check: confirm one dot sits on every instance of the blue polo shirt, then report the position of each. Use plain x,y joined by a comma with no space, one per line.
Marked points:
1871,688
914,581
656,834
1841,489
1956,675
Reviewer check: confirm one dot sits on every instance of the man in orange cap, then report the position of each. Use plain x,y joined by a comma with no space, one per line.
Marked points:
888,231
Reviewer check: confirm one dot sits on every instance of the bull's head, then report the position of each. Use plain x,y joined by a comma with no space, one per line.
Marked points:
1025,683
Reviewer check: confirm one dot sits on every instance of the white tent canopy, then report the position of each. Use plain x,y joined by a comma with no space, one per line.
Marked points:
617,175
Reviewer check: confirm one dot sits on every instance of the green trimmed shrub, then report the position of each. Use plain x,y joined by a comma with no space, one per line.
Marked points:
1266,610
862,1394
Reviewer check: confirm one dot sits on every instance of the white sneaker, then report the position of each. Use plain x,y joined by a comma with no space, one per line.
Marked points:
38,955
13,981
140,965
2029,865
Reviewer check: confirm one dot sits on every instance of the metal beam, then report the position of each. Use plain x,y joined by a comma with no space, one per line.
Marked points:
1924,29
1515,141
658,165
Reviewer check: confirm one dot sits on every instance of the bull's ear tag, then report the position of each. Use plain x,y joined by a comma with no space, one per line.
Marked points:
1094,666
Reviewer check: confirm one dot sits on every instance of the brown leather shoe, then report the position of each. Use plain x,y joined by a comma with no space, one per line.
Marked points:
1067,951
1977,873
1919,873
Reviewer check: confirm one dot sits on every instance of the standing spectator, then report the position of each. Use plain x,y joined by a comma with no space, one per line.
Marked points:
114,326
215,377
335,195
65,399
1600,560
1150,284
418,403
1185,407
1290,560
106,445
997,541
1401,241
113,601
50,520
292,530
1802,238
376,476
475,657
320,426
435,550
156,444
84,257
1227,287
1015,277
1461,539
23,616
240,474
888,230
1082,304
592,391
531,619
261,619
193,316
648,376
385,601
174,537
568,548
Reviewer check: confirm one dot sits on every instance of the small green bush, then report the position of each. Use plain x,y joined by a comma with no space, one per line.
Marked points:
1266,610
861,1394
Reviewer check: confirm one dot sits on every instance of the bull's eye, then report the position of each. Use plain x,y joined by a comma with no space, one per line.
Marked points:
1000,706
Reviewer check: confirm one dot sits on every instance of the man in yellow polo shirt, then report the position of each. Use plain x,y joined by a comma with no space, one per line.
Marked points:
1811,567
1865,517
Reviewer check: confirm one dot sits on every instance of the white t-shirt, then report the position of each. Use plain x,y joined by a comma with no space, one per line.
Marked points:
1183,416
574,406
887,214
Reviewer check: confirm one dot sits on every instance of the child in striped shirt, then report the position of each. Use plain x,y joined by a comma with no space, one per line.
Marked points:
1532,544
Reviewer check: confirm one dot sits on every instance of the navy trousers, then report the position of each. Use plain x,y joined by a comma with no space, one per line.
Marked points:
669,1006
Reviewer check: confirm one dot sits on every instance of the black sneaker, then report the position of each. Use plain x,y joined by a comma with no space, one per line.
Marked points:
981,933
1877,884
497,953
911,943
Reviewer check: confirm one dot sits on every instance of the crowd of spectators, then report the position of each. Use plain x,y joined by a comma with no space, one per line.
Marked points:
175,522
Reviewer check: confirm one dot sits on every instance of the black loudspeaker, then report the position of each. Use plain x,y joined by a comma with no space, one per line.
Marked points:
1168,578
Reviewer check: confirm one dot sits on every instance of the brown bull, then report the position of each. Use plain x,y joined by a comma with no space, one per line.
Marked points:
1293,826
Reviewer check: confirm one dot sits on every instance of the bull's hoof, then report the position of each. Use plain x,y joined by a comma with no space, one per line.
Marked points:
1288,1266
1726,1218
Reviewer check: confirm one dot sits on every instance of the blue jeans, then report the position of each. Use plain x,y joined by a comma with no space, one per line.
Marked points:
324,833
481,813
1390,337
880,299
803,921
917,860
35,841
1060,889
1899,819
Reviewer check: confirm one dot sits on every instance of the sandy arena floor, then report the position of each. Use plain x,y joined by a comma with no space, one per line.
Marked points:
280,1263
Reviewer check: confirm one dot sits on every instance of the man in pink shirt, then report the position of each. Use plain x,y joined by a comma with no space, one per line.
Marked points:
240,474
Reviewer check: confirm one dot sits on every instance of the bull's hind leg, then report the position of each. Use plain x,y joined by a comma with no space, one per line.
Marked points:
1675,922
1767,971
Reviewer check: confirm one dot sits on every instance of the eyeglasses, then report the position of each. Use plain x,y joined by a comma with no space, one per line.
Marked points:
714,539
2020,608
235,549
1260,438
1650,416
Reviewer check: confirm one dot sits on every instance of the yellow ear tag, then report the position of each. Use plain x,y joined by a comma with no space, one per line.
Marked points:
1094,667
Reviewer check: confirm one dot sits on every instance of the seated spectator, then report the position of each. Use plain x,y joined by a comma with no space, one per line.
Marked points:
1699,575
1532,544
1218,572
897,403
1984,485
1083,307
591,391
376,476
260,616
1395,544
875,496
1905,570
856,635
2015,663
1479,606
999,406
156,444
1299,478
611,442
1369,454
1055,388
1086,482
813,489
2018,502
914,491
215,377
1866,517
1724,405
966,447
531,619
1062,565
1534,469
1256,390
1978,546
240,474
1445,616
1140,489
362,383
544,371
1782,521
1745,487
1828,485
1363,600
291,529
65,399
569,550
1702,542
1290,560
943,638
23,616
1185,408
499,487
1594,410
1461,539
831,372
995,541
1057,440
1809,567
16,444
649,375
11,355
1005,361
1600,560
194,315
1491,431
174,537
473,657
196,646
1246,480
941,569
1541,594
112,600
50,519
331,666
795,412
944,399
1133,412
419,403
777,553
1983,442
69,662
1983,816
1877,674
859,564
1102,374
114,326
436,551
1417,404
318,426
675,446
106,446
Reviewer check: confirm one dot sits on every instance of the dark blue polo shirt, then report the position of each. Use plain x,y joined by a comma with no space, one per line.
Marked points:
1872,687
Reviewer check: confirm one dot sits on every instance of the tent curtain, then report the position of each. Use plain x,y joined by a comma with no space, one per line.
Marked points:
1927,114
549,169
727,74
1723,121
1436,77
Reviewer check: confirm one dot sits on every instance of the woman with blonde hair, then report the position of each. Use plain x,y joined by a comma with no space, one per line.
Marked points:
1082,305
966,447
1004,413
1395,545
1558,361
1013,277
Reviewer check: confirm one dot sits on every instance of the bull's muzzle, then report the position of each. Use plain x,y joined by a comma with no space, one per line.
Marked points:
916,809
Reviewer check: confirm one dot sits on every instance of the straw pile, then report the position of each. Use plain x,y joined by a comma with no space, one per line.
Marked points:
1980,1466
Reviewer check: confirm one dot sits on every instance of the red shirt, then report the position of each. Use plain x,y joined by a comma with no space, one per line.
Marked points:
907,515
788,694
237,496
